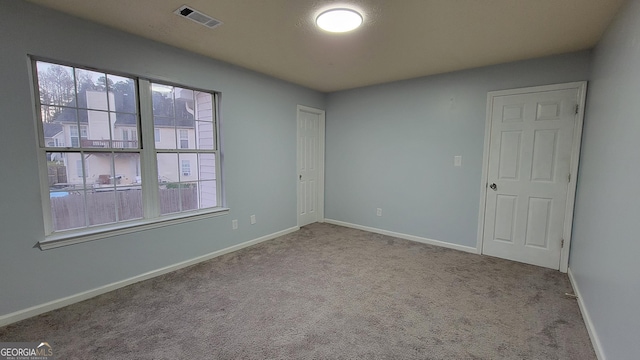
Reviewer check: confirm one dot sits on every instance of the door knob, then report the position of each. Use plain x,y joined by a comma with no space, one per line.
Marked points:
493,187
300,177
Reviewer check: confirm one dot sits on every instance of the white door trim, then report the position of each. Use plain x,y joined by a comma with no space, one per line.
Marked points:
581,86
321,135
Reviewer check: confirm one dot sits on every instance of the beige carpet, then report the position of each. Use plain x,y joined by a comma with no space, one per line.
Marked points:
326,292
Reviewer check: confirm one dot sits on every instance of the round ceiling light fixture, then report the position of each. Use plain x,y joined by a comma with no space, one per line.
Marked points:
339,20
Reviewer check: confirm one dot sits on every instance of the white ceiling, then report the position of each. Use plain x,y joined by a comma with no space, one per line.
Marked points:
399,39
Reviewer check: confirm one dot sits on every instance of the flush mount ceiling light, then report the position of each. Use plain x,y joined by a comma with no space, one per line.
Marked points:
339,20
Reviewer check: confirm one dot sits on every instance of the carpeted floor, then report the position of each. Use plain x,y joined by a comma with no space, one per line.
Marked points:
326,292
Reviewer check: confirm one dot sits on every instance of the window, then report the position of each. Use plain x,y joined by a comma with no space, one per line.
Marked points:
186,168
79,171
97,113
73,133
184,139
190,115
129,138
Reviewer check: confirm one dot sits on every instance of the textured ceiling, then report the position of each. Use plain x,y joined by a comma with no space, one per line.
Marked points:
399,39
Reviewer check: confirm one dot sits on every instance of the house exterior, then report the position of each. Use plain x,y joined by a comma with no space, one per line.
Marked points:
97,127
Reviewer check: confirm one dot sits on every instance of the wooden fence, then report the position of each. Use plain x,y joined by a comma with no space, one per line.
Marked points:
68,212
57,174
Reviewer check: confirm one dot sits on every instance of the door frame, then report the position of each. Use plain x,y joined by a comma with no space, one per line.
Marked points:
321,136
581,86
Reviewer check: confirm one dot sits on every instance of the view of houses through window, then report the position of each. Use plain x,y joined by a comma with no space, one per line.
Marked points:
91,137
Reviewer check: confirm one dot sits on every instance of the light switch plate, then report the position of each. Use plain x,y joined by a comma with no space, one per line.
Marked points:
253,219
457,160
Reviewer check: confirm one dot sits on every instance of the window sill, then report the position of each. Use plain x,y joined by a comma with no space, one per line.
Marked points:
84,235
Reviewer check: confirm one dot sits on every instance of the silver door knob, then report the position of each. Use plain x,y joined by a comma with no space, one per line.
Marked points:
493,187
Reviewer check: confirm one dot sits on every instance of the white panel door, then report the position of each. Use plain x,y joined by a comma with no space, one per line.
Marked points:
532,136
308,165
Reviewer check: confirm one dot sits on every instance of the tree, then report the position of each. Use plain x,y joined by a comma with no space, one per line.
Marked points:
56,89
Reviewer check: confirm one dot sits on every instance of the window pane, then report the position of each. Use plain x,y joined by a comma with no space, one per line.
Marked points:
168,183
56,131
204,106
169,197
67,209
127,166
66,190
99,170
125,131
123,92
55,86
162,101
189,196
205,135
97,133
92,90
129,204
184,106
168,138
128,186
156,135
208,196
207,166
57,170
76,169
100,188
168,168
101,206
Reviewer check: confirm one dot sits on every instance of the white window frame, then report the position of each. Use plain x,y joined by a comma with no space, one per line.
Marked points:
152,217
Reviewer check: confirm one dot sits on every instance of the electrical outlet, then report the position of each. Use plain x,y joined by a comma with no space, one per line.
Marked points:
379,212
253,219
234,224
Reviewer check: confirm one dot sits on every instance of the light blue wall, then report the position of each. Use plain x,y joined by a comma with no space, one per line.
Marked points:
606,234
259,144
392,147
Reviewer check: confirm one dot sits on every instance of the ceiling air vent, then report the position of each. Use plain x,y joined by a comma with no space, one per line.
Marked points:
195,15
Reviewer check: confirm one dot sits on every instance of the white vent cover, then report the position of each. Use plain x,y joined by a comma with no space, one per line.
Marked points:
195,15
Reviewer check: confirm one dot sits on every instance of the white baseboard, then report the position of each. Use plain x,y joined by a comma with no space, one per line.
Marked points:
595,341
468,249
59,303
